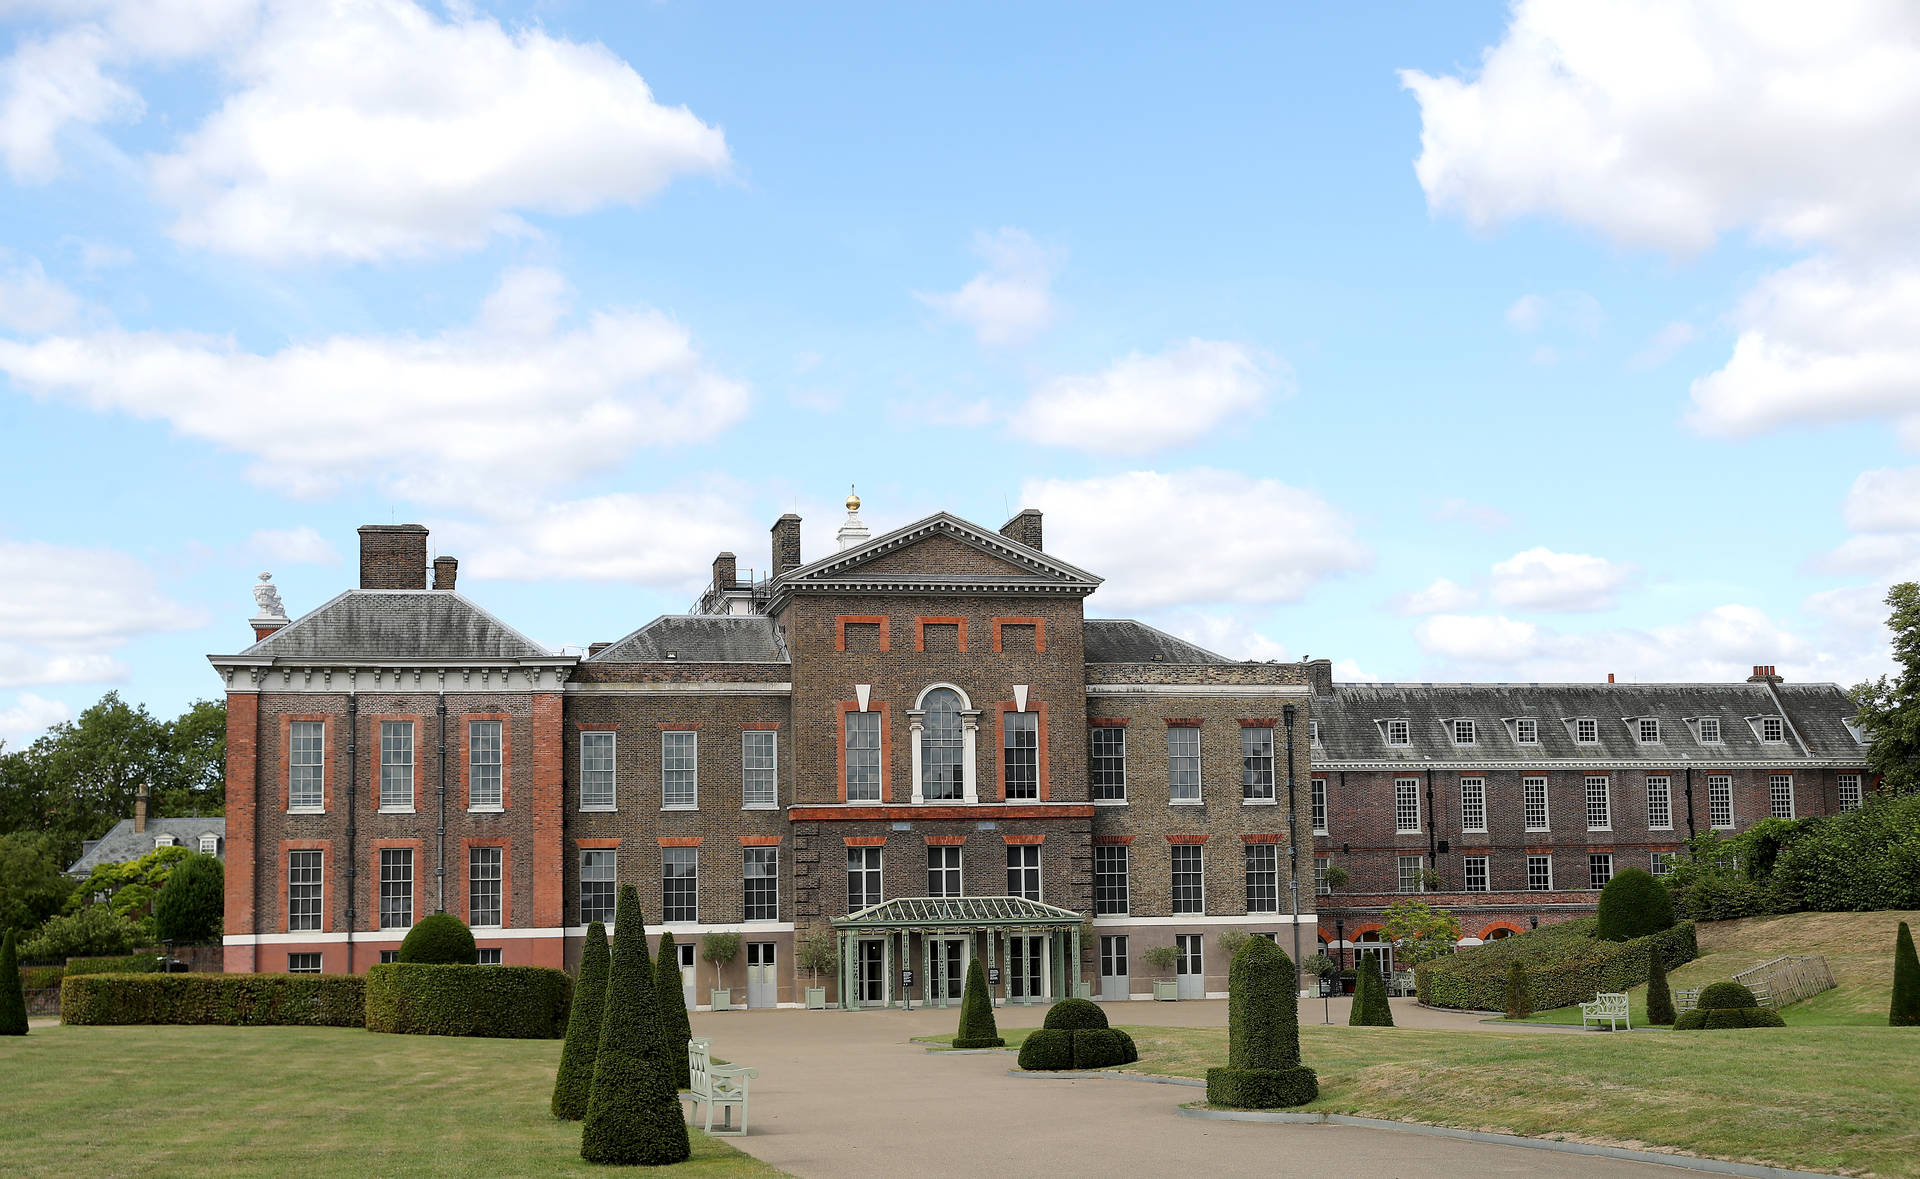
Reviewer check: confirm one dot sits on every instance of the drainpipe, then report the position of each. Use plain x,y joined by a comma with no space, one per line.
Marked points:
1433,820
353,791
1293,843
440,832
1690,828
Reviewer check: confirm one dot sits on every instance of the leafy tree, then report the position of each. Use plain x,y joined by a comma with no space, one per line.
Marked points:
818,951
13,995
1890,708
1422,932
195,777
718,949
675,1026
129,889
634,1114
1231,939
1659,994
191,906
573,1084
95,931
32,885
1905,1009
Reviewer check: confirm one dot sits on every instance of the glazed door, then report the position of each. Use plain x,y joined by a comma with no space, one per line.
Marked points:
1190,969
1114,983
1026,960
953,966
872,984
685,951
763,980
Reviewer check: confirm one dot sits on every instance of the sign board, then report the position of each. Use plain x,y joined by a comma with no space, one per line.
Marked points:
906,980
1326,988
993,976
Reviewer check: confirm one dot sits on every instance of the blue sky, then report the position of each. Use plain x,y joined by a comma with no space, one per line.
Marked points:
1463,341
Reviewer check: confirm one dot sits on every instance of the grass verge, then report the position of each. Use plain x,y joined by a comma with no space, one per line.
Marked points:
308,1101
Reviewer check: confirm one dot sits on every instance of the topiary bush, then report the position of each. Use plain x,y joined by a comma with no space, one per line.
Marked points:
633,1116
239,1000
1728,1005
13,995
1047,1050
573,1083
505,1002
1726,995
191,905
1073,1035
1263,1034
1565,964
978,1028
439,939
1633,904
1659,995
1519,992
1904,1012
675,1028
1098,1048
1370,1007
1075,1014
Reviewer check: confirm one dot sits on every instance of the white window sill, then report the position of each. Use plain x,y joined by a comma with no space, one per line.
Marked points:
486,927
1539,830
601,809
1473,831
1413,831
1600,831
681,807
1259,802
1110,802
1723,827
761,806
1320,832
486,810
1186,802
397,810
306,810
1668,827
865,802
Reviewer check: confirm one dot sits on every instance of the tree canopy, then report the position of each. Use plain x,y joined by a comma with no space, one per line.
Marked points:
1890,706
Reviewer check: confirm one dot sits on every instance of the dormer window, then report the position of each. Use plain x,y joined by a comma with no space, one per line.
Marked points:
1313,731
1526,731
1399,732
1586,730
160,841
1463,732
1773,730
1647,728
209,845
1709,730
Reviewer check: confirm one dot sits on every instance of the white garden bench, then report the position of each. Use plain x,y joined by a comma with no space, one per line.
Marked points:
711,1084
1608,1005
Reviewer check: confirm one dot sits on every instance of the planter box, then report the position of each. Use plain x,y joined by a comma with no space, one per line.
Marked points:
723,1000
816,998
1168,991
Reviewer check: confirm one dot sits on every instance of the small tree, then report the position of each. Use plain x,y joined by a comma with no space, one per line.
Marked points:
1423,932
675,1027
1890,709
1659,995
1162,958
718,949
1519,992
1337,877
192,903
1633,904
1905,1010
978,1028
1370,1008
439,938
94,932
1263,1034
573,1084
634,1114
1321,966
13,995
819,950
1231,939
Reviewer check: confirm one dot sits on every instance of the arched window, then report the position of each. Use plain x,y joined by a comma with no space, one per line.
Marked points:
941,745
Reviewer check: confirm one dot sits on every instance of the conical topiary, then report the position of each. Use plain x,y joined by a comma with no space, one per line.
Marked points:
1659,995
675,1028
1370,1007
573,1085
1263,1034
634,1115
1905,1010
978,1028
1519,992
13,995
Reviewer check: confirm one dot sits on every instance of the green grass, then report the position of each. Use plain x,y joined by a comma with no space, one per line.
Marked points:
308,1101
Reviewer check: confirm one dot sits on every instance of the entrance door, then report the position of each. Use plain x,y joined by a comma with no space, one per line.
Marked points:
1114,983
872,984
1190,968
952,953
762,980
685,950
1026,958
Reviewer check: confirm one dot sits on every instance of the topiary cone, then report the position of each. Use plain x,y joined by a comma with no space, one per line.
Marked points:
675,1028
1905,1009
573,1084
1370,1007
978,1028
1263,1034
1519,992
13,995
634,1115
1659,995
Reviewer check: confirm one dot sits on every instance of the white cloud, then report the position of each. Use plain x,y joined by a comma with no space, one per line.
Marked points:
1884,500
1485,517
1662,346
922,412
1442,597
1224,634
64,611
1541,579
32,304
1574,311
664,539
1348,671
29,716
519,401
1147,403
294,546
1195,536
1011,301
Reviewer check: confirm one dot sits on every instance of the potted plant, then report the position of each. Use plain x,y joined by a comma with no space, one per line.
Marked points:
718,949
1163,958
818,951
1430,880
1337,877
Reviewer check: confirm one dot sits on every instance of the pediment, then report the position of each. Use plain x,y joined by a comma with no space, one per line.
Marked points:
942,548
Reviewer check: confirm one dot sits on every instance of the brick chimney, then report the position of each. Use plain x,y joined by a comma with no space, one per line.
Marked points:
445,571
595,648
1320,676
1763,673
393,556
724,571
1024,527
140,810
786,544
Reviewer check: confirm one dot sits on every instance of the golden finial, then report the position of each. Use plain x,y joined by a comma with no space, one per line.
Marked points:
853,501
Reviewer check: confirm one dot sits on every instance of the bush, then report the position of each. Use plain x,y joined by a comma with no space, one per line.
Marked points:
1728,1017
39,978
1565,964
633,1116
1633,904
978,1028
1862,861
1659,995
95,929
1263,1034
1098,1048
675,1027
236,1000
1075,1014
1726,995
125,964
1370,1007
1725,897
1128,1051
1047,1050
13,995
192,903
573,1083
1905,1009
1255,1088
439,939
1519,992
507,1002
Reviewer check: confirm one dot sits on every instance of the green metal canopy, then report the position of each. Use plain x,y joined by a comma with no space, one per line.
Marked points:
958,912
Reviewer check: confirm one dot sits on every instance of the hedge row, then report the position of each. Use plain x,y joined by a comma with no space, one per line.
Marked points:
39,978
1565,964
512,1002
247,1000
122,964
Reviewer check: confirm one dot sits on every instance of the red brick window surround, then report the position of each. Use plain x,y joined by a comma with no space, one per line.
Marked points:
465,734
1275,837
921,623
1185,722
420,868
841,622
886,746
1025,840
1039,626
1000,711
464,901
1107,840
677,840
325,848
946,841
375,760
325,722
1262,722
761,840
1108,722
1187,840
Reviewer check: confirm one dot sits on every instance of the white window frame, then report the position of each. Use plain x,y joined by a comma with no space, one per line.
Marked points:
160,841
1526,730
1545,866
1012,726
1318,792
1660,863
879,767
1773,730
1720,796
612,881
1851,796
750,796
1646,730
763,855
957,871
1467,866
1605,798
1271,853
498,765
667,855
303,962
1250,770
1175,853
1321,887
1028,872
296,763
1716,736
209,845
1529,782
1775,783
1586,730
691,770
499,881
1400,792
298,871
872,869
1414,864
387,878
1659,790
389,796
488,956
1473,803
1402,728
611,770
1463,731
1126,878
1594,860
1174,760
1107,733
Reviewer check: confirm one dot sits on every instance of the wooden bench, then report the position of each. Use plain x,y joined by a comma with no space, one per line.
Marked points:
1608,1005
711,1084
1402,983
1686,1000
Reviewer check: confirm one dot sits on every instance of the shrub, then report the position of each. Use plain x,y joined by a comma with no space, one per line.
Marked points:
124,964
1724,995
1659,995
439,939
1861,861
978,1028
1047,1050
1633,904
633,1116
95,929
1565,964
1370,1007
718,949
675,1027
1128,1051
1098,1048
1519,992
39,978
1075,1014
573,1083
238,1000
1728,1017
1263,1034
13,995
192,903
430,999
1905,1009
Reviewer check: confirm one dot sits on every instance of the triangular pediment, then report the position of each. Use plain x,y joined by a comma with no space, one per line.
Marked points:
942,548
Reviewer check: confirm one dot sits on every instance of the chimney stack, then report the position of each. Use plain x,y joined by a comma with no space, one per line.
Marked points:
445,571
393,557
595,648
786,544
1609,677
1763,673
724,571
1024,527
140,810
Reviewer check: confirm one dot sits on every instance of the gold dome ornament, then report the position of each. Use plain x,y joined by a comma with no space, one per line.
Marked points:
853,501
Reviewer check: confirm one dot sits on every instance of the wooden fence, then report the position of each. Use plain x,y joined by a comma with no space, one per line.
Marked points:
1787,979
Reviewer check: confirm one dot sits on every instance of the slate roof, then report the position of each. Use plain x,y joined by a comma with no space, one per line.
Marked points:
121,843
1122,640
1350,730
700,638
439,625
1042,568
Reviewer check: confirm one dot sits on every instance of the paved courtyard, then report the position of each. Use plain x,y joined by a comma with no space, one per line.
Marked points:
845,1094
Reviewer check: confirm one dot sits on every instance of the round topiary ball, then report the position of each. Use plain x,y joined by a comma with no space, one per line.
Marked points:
441,939
1726,996
1633,904
1075,1015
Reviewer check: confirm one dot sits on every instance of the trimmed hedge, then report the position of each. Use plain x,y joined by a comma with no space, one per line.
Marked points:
1904,1011
236,1000
1724,1018
1263,1068
1072,1015
1074,1035
1565,964
39,978
573,1082
1261,1088
634,1114
1519,992
675,1026
1659,994
1047,1050
1726,995
13,997
506,1002
1098,1048
978,1028
1633,904
439,939
124,964
1370,1008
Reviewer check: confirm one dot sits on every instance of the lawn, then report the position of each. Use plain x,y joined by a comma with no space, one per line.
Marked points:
307,1101
1836,1099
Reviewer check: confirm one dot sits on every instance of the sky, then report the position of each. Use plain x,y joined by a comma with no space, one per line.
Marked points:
1538,342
